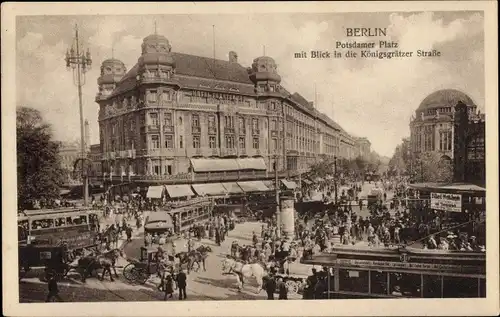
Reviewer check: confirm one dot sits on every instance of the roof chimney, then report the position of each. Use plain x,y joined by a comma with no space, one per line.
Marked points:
233,57
311,104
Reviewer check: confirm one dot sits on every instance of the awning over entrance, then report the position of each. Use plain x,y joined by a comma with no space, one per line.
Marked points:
214,165
154,192
289,184
175,191
232,188
212,189
252,164
454,187
253,186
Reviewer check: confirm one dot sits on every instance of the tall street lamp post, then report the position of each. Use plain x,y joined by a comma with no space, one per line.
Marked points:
277,193
80,62
335,178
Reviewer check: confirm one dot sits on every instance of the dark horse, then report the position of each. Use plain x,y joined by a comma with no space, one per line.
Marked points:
104,261
194,256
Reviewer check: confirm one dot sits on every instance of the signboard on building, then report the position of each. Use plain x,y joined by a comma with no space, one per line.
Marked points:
446,202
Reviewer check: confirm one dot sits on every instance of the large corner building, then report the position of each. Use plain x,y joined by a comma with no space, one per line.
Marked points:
177,114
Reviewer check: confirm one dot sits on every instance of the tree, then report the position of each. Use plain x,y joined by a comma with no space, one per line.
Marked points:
323,167
433,167
39,172
400,161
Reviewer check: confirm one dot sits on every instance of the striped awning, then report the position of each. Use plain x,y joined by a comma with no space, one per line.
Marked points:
154,192
175,191
252,164
253,186
289,184
214,165
232,188
212,189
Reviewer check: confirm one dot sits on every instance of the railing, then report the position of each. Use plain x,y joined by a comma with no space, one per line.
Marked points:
196,129
229,130
168,129
212,130
153,128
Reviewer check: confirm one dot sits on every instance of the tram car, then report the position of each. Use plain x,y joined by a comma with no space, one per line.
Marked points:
366,272
51,238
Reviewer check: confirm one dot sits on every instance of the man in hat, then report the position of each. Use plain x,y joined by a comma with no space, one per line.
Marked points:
53,289
181,284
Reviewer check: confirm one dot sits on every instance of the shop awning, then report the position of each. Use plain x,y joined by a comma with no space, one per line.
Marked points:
455,187
154,192
253,186
232,188
252,164
214,165
212,189
175,191
289,184
306,181
270,184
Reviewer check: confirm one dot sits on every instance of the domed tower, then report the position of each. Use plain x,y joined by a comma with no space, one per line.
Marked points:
264,74
112,71
156,59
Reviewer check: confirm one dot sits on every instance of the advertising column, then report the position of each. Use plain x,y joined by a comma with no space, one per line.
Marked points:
287,217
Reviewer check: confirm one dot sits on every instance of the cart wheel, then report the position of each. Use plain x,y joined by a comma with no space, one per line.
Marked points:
293,287
141,275
128,272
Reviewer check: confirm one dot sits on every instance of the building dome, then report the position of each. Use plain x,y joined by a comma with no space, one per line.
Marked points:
112,70
445,98
264,68
156,50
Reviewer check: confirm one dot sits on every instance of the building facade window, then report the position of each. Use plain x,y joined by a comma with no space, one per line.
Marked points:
155,141
242,142
181,142
165,96
255,126
211,142
241,123
429,138
196,120
152,96
168,119
445,140
169,141
273,104
230,142
196,142
255,143
274,125
229,122
211,122
274,144
154,118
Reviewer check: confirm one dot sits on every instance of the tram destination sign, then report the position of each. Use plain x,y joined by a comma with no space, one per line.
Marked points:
412,266
446,202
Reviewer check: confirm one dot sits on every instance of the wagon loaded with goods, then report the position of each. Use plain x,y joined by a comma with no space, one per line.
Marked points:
140,270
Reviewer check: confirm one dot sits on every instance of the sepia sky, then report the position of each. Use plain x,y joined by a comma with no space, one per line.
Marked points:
367,97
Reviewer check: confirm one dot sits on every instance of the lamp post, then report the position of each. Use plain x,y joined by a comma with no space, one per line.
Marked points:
80,62
335,178
277,193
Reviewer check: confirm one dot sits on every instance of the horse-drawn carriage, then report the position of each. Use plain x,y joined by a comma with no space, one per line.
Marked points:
52,258
139,270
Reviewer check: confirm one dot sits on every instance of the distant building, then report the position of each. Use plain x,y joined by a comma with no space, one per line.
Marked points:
69,152
469,150
363,147
174,114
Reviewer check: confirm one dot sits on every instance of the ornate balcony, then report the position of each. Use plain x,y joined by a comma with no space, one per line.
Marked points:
228,152
196,129
229,130
274,134
168,129
212,130
256,132
153,128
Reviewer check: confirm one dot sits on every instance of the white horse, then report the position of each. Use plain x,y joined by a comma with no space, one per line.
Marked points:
242,270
